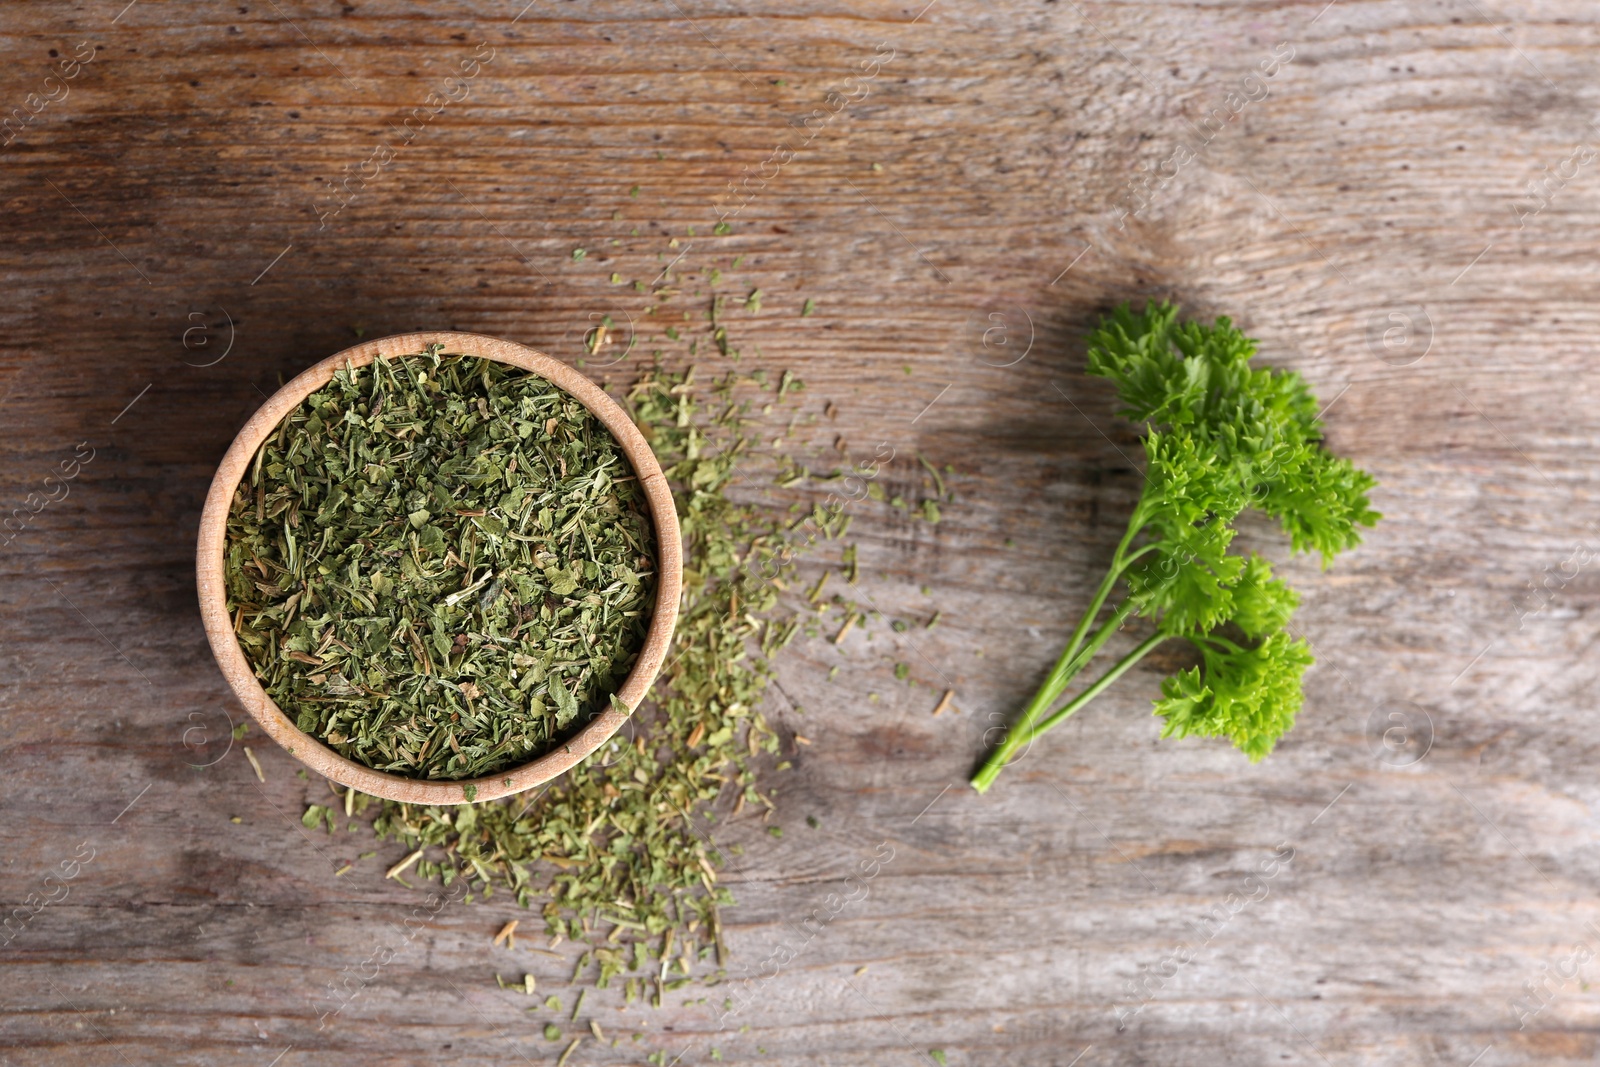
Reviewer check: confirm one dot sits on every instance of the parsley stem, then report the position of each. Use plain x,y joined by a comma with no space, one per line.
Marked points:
1215,640
1074,657
1070,662
1127,560
1143,649
1102,635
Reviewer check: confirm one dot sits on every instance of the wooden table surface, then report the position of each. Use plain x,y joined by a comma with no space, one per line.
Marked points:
226,193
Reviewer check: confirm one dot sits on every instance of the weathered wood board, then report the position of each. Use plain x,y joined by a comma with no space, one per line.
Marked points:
228,192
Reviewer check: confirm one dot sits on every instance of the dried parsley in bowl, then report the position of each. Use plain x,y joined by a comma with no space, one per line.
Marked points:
441,565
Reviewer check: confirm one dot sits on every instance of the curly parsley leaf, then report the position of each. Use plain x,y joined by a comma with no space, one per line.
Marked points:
1250,695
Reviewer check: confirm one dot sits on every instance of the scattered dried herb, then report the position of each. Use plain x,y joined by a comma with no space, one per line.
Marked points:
440,565
612,853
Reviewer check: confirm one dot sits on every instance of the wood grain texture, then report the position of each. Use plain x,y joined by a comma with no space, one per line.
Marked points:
972,182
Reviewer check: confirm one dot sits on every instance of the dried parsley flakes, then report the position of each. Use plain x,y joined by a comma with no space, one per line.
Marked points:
615,852
440,565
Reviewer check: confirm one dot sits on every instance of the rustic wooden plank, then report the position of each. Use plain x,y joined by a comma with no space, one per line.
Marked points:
977,175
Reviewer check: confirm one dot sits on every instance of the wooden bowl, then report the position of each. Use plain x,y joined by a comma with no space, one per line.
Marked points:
318,756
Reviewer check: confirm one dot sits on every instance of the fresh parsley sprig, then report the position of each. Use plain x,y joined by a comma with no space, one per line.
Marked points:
1221,436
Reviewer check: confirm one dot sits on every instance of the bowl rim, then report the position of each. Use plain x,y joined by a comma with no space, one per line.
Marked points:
210,562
